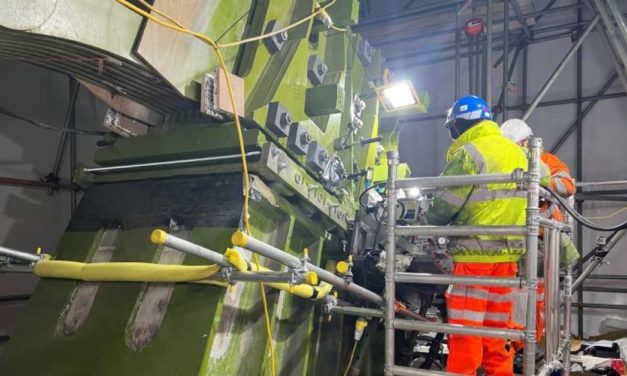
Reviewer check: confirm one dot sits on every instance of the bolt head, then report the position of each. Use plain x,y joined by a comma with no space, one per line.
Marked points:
322,156
322,68
305,138
282,36
286,119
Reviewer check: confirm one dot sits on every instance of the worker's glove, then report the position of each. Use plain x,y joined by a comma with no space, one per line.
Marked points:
401,263
568,253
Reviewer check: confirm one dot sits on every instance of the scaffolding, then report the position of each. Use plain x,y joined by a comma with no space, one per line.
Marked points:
557,345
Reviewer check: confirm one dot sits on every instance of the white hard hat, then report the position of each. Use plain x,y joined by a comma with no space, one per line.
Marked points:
516,130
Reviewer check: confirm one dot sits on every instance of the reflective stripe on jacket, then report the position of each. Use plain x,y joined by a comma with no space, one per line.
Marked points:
561,181
482,150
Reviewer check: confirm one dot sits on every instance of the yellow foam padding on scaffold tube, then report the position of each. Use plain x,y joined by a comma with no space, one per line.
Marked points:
123,271
302,290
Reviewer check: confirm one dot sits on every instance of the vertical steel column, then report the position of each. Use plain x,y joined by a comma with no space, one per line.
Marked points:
551,297
531,259
579,161
568,299
390,250
525,76
549,341
505,56
487,64
480,90
457,53
471,68
560,67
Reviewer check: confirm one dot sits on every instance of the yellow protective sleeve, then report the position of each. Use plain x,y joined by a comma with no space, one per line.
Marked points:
123,271
302,290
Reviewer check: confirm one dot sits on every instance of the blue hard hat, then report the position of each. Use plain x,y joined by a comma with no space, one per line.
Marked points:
470,107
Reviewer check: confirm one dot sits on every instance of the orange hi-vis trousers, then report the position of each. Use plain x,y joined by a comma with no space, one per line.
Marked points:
480,306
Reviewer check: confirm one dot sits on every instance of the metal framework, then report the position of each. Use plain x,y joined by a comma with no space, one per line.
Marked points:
556,344
606,19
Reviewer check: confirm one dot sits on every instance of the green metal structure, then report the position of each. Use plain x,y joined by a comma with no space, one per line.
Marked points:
185,176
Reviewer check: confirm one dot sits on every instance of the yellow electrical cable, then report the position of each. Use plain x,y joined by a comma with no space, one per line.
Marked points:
177,26
180,27
340,29
286,28
162,14
611,215
350,360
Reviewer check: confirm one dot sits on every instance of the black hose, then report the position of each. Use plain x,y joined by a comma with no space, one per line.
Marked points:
361,196
581,219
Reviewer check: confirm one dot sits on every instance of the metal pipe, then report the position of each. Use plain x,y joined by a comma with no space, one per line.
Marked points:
169,163
605,289
457,53
583,114
426,33
390,265
266,250
601,306
531,259
500,104
614,53
548,277
425,326
410,371
263,277
356,311
568,300
74,89
459,230
182,245
596,261
611,30
524,76
447,279
549,222
579,151
618,16
458,180
545,370
592,98
602,184
560,67
603,192
608,277
273,253
34,183
524,38
563,29
487,64
521,18
14,298
551,294
580,197
19,255
378,21
559,102
504,90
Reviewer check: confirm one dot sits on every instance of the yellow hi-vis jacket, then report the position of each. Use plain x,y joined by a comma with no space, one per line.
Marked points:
482,150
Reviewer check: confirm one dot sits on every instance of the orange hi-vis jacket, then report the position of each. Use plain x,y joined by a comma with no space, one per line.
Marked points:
561,182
